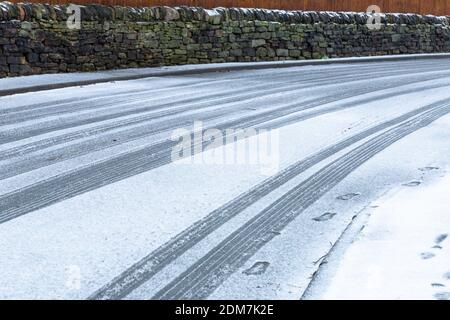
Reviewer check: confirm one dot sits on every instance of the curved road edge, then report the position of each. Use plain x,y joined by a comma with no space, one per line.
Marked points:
27,84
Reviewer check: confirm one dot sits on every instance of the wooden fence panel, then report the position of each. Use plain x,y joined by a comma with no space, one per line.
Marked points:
437,7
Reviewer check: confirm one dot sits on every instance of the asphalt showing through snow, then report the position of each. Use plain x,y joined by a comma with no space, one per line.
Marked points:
36,137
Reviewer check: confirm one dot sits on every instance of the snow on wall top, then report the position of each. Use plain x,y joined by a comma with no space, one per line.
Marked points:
35,12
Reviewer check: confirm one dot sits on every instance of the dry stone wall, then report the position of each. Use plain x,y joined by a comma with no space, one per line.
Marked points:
35,39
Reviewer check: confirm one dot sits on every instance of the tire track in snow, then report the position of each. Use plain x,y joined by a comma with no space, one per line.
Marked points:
75,101
146,268
86,118
133,101
69,152
46,143
121,123
202,278
68,106
227,96
101,173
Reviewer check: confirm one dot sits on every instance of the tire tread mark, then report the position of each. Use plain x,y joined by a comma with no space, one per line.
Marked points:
202,278
147,267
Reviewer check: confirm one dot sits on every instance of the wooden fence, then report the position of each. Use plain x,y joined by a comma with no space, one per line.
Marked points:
436,7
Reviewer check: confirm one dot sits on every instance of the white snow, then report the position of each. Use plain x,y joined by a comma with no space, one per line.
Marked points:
70,249
296,253
101,233
403,252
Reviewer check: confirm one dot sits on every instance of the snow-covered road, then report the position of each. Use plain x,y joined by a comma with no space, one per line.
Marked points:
92,205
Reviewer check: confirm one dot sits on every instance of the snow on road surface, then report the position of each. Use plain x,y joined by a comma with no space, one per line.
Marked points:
404,251
92,205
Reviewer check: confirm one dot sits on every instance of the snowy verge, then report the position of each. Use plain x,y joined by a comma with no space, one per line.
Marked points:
403,250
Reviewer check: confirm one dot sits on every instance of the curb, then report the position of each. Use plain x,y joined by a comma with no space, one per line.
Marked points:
225,67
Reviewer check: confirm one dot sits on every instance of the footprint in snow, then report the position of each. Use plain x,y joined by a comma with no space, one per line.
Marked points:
324,217
427,255
446,275
442,295
437,285
440,238
258,268
412,184
424,169
348,196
